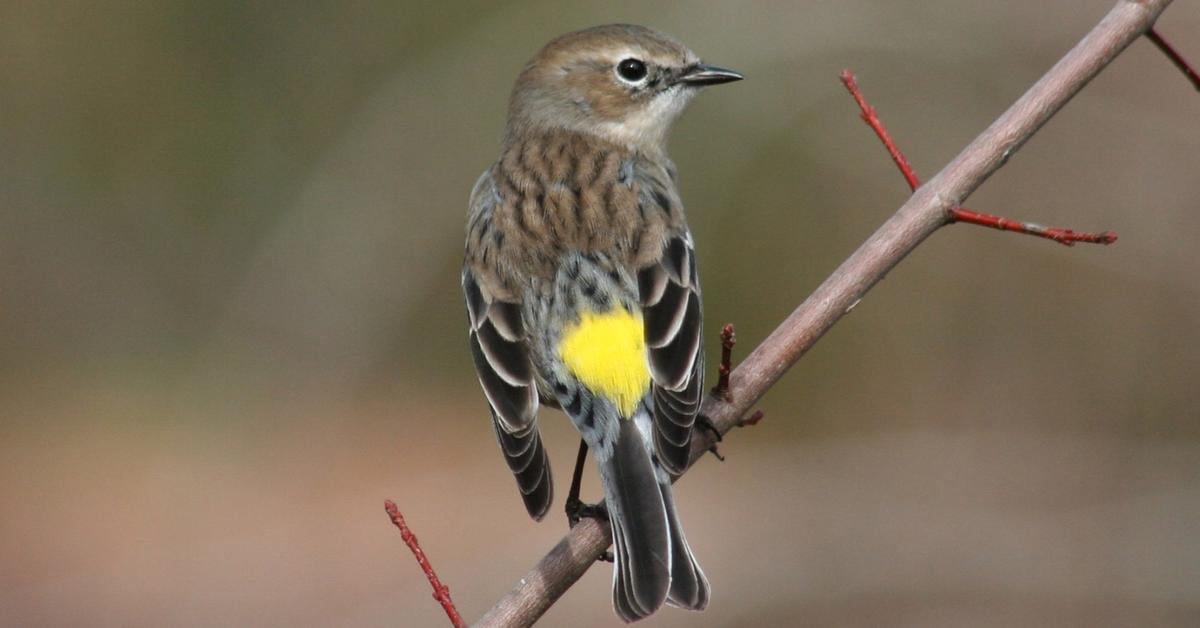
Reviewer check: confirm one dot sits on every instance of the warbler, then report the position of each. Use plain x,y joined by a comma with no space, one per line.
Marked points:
582,292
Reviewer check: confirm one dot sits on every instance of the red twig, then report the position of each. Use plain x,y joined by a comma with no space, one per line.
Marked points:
441,592
1062,236
728,339
1175,57
871,117
962,214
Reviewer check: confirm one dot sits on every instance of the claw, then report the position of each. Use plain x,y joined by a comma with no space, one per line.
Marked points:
577,510
706,423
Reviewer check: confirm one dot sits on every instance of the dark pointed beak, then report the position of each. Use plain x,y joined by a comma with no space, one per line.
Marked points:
702,75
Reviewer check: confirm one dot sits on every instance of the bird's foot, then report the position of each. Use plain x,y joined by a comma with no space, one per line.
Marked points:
577,509
706,423
703,421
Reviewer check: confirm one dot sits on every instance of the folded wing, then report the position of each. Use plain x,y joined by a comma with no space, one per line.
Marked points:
505,371
669,291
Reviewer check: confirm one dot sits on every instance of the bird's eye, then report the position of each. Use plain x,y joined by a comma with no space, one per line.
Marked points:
631,70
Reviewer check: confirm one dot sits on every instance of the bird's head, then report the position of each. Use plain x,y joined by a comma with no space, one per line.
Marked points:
620,82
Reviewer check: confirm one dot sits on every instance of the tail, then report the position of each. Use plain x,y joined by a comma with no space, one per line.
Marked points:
653,561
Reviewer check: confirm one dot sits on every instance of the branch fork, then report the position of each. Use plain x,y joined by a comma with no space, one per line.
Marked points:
957,213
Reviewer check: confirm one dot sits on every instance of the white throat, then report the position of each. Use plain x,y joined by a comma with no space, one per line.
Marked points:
648,127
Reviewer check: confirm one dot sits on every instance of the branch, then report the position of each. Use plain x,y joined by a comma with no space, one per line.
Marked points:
923,213
441,592
1062,236
962,214
728,340
1175,57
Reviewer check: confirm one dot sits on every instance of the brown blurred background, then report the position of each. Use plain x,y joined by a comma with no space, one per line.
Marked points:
230,322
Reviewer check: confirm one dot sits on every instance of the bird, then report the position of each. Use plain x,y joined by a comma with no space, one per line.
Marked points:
582,292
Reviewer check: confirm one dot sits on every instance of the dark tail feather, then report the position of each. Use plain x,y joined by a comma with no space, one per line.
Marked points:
640,525
689,587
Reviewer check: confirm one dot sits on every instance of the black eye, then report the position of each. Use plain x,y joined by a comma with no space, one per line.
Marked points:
631,70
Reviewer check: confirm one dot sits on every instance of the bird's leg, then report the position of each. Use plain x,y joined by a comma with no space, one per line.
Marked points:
575,507
707,424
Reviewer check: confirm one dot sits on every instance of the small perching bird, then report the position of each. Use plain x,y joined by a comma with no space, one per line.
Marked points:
582,292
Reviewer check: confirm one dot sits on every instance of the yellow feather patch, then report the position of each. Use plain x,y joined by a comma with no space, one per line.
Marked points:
607,353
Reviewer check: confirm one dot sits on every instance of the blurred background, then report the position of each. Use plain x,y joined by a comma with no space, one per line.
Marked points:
230,320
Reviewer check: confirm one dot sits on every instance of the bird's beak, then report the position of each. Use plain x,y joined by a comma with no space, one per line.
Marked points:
702,75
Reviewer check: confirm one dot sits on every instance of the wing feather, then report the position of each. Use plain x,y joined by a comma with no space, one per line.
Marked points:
673,322
506,374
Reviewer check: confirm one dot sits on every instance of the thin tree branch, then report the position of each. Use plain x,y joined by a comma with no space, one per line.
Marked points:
1175,57
441,592
923,213
1062,236
871,117
728,340
962,214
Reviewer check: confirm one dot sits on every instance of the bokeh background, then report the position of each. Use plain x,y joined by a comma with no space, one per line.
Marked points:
230,323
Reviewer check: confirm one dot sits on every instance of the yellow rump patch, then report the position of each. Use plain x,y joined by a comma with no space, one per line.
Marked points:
607,352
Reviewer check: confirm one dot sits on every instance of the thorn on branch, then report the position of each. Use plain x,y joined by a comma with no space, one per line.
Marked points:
728,339
961,214
441,592
1176,58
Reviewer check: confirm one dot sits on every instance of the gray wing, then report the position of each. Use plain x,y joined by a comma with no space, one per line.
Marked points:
670,296
505,370
506,374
